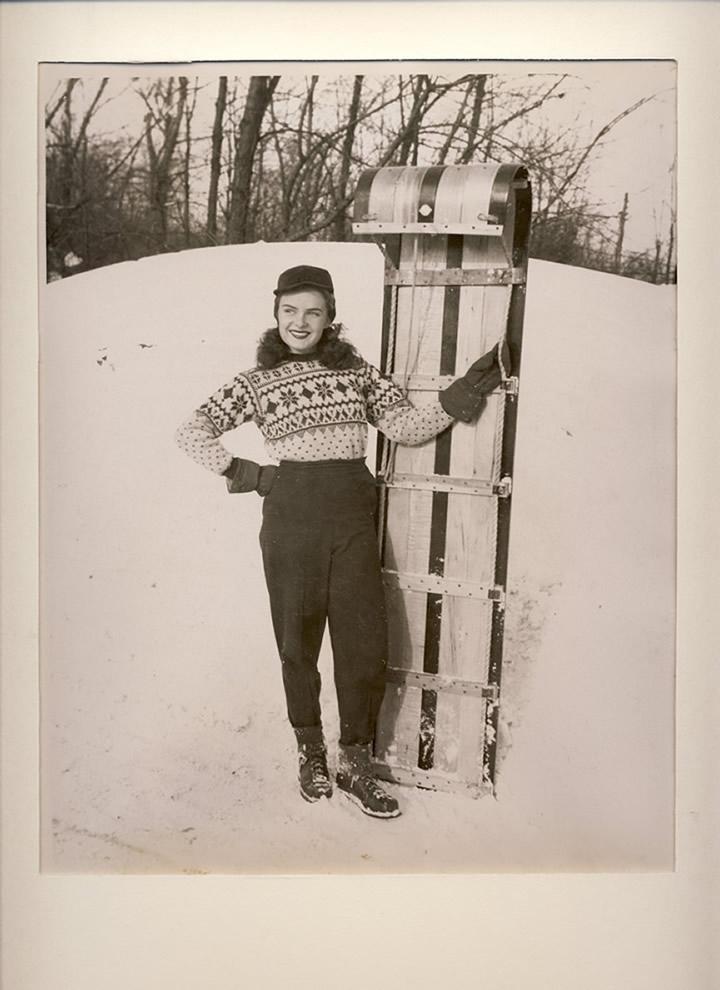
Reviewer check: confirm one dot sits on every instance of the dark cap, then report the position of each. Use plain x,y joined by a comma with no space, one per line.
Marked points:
300,275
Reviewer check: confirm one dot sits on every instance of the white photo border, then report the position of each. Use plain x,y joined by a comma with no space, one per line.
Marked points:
510,931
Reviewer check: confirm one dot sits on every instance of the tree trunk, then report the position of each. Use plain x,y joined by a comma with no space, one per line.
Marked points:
67,90
621,236
656,262
340,231
459,117
259,95
215,160
255,216
186,179
89,114
305,124
671,244
474,125
160,160
186,209
409,136
66,181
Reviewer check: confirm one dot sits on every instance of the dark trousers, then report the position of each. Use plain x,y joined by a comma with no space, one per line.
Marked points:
319,546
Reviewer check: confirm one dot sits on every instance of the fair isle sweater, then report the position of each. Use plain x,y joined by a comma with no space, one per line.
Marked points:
307,412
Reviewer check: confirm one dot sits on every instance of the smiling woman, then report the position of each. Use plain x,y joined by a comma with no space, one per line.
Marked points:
312,395
302,317
304,307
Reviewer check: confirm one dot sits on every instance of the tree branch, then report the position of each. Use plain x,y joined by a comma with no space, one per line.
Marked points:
598,137
88,116
67,90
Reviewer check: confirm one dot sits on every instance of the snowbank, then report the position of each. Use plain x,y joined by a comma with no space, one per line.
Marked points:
164,740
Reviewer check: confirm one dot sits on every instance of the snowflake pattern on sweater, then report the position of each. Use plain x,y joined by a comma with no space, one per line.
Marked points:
308,412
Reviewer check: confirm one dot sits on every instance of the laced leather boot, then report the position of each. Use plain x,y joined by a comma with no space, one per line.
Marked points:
313,774
357,781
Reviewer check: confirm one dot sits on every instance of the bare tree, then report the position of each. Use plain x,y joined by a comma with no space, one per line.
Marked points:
67,167
345,156
165,113
603,132
88,115
64,96
187,159
478,87
456,124
216,160
283,163
622,218
407,145
259,94
671,245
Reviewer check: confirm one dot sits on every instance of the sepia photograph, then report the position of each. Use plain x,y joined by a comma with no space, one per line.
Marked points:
357,404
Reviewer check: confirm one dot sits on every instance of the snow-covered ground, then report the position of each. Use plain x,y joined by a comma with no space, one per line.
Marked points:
165,746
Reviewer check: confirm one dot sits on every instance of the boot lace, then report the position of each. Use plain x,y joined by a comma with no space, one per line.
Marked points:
372,785
318,765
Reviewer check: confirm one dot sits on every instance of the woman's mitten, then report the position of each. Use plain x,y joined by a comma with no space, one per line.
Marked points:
464,399
247,476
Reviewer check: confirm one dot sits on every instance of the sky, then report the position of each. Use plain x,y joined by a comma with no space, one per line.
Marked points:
638,157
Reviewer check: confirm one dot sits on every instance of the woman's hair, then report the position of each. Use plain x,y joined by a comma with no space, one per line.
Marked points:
332,351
